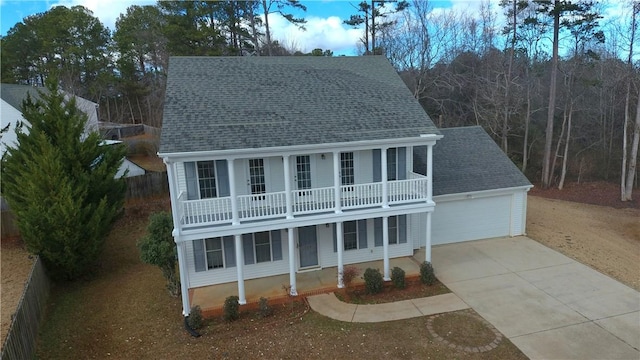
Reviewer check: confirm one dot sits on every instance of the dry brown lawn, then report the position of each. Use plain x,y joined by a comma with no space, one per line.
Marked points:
124,311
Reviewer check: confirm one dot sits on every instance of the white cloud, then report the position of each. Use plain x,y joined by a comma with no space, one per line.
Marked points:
107,11
325,33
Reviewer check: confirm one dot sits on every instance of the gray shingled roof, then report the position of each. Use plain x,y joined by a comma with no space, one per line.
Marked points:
14,94
219,103
467,159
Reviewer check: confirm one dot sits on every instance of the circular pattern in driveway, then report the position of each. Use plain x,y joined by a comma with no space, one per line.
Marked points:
464,330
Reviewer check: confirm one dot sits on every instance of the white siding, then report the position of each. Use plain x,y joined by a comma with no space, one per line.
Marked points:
253,271
322,174
518,213
275,177
417,229
363,166
182,180
329,258
471,219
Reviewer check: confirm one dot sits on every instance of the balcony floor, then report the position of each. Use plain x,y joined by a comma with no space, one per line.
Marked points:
211,298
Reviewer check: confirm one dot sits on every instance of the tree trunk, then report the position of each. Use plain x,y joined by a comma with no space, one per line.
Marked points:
546,171
267,31
633,160
623,176
566,150
555,157
527,120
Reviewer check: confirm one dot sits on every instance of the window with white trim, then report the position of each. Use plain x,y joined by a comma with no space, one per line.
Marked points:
214,253
347,173
262,246
256,176
303,172
392,164
393,230
207,179
350,235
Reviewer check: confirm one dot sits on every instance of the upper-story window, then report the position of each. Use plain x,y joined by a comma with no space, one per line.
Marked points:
303,172
392,164
347,173
207,179
256,176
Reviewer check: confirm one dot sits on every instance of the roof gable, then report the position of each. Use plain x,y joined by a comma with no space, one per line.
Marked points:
220,103
467,159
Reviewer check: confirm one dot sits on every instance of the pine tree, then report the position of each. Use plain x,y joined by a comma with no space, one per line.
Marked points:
60,184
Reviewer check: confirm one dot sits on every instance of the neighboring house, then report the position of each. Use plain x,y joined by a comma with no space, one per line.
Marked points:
10,110
278,165
13,95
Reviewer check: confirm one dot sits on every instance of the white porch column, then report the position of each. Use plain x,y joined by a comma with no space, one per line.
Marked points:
336,183
292,263
240,270
184,279
383,174
287,185
385,247
427,247
180,245
429,172
340,248
233,193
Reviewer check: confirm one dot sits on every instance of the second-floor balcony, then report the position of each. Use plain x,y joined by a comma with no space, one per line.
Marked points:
273,205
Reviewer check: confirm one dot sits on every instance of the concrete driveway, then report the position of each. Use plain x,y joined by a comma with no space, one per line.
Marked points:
548,305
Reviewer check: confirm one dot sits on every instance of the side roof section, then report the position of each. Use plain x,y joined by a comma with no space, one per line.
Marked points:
466,159
222,103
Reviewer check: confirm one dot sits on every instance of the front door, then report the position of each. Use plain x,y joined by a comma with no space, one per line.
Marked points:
308,246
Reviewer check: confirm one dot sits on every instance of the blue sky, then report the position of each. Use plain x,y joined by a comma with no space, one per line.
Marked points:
324,28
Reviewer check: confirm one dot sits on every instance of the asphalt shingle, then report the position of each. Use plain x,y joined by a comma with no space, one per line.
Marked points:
220,103
467,159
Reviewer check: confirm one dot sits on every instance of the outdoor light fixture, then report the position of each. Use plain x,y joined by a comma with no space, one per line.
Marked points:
322,156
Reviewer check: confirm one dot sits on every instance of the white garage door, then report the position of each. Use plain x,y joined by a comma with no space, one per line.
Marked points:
471,219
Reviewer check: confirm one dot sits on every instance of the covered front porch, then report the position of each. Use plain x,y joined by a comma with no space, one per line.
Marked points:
275,288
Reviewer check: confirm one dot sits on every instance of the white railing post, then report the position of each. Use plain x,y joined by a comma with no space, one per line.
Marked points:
337,193
287,186
383,174
233,192
429,171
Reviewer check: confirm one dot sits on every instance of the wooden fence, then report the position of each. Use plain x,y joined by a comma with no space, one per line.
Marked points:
23,331
8,226
149,184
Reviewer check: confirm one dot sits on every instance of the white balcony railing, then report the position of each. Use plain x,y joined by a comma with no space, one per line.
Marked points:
303,202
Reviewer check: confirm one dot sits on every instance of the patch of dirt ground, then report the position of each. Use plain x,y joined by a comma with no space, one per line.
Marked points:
602,237
15,266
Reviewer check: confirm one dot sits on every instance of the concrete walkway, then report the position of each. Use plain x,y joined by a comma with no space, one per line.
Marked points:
548,305
329,305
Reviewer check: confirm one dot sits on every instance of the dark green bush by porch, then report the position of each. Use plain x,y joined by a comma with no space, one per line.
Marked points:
231,310
195,319
373,281
427,275
398,278
264,308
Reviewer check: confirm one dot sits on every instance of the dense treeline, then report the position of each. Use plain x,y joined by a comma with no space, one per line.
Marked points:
464,68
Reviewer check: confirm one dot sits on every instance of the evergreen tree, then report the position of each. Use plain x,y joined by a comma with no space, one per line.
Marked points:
158,248
60,183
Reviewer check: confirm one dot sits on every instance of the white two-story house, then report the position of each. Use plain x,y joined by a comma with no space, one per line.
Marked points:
278,165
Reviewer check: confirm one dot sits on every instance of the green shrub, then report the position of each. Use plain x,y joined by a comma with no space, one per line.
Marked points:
397,277
426,273
348,274
264,308
195,319
231,310
373,281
